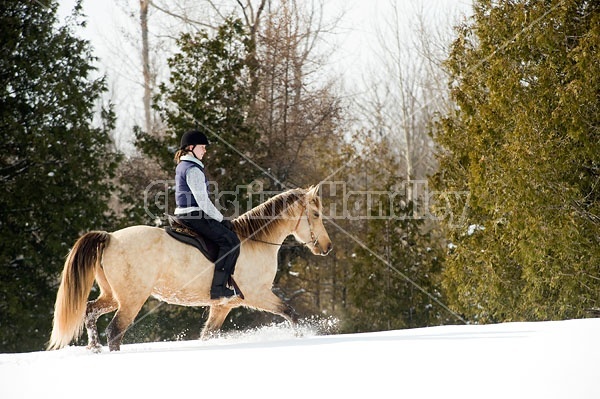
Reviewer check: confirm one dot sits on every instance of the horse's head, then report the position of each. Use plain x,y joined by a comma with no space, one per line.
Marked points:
310,227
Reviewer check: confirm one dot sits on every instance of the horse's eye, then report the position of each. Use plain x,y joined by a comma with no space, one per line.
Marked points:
316,214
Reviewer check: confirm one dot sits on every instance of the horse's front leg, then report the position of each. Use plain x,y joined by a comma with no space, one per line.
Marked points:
216,318
290,314
271,303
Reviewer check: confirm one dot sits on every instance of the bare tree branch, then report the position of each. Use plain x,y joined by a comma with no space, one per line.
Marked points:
184,18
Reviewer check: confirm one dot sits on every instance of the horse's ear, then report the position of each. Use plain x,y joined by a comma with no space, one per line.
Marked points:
313,192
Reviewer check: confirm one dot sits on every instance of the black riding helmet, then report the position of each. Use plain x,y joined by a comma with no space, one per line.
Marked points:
193,137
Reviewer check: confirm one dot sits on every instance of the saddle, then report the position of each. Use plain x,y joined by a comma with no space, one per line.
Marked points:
179,231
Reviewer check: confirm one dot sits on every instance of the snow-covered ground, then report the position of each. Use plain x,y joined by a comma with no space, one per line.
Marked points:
513,360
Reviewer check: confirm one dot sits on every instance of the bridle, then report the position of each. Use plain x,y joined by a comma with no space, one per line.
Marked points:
314,238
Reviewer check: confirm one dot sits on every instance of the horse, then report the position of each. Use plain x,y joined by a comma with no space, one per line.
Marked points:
134,263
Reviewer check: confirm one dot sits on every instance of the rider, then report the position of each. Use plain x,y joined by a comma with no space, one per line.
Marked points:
197,211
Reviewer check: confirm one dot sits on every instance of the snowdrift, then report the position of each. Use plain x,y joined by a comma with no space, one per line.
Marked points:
512,360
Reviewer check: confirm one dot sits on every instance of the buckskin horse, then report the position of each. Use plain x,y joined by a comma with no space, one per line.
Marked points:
137,262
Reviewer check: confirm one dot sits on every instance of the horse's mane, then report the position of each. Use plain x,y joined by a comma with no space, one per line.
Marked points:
262,221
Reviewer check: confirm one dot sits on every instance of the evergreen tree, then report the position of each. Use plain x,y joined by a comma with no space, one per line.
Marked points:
525,142
399,244
55,166
208,90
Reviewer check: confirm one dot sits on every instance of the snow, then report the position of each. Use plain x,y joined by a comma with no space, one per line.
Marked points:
473,228
511,360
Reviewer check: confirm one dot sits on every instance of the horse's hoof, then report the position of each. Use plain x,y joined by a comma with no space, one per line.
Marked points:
209,335
95,348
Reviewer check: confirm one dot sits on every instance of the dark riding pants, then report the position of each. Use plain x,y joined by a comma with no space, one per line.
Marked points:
226,240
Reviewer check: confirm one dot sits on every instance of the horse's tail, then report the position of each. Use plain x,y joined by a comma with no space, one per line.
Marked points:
75,286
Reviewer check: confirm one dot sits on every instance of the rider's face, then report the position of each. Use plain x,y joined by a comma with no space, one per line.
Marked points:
199,151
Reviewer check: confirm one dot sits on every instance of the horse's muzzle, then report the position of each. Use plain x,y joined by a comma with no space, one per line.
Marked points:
326,250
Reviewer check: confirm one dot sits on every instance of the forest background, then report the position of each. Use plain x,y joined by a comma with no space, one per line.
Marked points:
460,175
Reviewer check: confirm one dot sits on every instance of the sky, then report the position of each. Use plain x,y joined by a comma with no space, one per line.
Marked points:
505,361
356,41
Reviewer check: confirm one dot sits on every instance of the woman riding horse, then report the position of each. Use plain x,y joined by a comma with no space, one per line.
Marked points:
195,209
132,264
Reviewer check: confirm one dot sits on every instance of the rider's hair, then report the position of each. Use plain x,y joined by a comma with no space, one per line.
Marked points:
179,154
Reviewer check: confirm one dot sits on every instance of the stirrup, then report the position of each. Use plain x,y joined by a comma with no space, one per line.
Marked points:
225,293
236,289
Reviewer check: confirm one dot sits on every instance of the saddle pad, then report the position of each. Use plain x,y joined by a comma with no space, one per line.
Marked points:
208,248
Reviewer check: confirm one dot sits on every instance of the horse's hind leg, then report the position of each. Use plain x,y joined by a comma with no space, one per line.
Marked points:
105,303
102,305
120,322
215,320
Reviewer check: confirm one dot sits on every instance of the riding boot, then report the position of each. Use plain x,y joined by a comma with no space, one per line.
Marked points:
219,286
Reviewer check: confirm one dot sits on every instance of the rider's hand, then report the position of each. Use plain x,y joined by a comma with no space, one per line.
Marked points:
227,223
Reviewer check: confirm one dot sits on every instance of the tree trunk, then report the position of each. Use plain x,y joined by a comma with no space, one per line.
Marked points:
146,64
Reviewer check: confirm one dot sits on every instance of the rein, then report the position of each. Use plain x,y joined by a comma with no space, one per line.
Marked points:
282,245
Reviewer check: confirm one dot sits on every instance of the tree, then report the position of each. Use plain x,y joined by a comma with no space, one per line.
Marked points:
398,250
406,90
296,110
299,116
398,257
524,140
56,164
208,90
291,104
146,65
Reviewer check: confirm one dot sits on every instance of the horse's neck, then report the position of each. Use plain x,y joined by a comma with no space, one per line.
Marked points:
285,229
276,237
274,231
